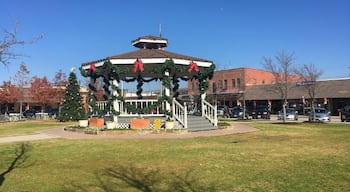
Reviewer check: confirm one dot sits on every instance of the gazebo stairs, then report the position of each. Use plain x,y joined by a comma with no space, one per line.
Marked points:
199,123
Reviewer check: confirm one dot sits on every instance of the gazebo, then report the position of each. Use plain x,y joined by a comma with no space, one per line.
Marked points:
149,63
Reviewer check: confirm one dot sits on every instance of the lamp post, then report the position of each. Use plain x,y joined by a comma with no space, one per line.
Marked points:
244,108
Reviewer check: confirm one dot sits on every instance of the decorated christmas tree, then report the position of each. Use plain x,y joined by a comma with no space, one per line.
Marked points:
72,109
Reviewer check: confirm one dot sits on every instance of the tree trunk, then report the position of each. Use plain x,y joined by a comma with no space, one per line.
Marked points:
284,111
244,107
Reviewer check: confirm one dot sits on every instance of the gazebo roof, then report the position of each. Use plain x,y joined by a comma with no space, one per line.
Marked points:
150,55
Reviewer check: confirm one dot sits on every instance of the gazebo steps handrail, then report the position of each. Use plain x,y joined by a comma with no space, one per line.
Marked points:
210,112
180,113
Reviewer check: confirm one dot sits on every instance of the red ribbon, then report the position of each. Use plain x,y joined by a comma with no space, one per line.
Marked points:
92,68
138,65
193,66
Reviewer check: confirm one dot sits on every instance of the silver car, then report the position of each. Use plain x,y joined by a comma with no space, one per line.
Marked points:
321,114
291,114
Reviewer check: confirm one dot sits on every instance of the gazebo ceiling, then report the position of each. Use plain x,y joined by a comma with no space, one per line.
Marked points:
150,52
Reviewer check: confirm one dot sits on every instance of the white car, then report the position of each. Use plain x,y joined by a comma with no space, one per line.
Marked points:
221,111
291,114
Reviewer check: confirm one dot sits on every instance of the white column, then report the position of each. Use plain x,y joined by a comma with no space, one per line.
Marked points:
202,104
167,93
115,102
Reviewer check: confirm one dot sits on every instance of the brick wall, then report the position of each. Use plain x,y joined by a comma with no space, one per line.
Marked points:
233,80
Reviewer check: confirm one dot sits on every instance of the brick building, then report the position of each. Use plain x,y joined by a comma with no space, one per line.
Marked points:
227,86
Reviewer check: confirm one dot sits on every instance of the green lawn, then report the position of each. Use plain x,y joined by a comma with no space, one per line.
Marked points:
28,127
298,157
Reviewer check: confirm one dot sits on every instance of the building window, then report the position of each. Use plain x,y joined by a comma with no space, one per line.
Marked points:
220,84
238,82
233,83
254,81
214,87
194,85
263,82
225,84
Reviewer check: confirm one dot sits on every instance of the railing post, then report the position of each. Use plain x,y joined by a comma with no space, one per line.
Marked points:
215,115
173,108
185,116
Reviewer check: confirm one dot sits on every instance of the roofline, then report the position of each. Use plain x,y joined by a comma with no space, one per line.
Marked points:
335,79
148,61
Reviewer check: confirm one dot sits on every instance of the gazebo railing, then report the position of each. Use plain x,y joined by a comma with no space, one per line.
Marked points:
141,104
180,113
138,103
209,111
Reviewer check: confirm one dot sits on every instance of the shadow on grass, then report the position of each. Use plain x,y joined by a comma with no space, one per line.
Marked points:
20,158
145,179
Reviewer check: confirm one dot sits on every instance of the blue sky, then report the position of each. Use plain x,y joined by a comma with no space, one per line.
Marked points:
231,33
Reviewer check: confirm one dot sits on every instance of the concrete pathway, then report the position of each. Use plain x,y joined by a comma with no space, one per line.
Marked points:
27,138
235,128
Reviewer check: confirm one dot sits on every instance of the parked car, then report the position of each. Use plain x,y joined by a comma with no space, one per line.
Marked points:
260,112
222,111
321,114
345,113
30,113
291,114
236,112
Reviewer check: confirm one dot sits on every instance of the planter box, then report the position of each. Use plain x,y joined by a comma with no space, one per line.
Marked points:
96,122
169,124
137,123
83,123
110,125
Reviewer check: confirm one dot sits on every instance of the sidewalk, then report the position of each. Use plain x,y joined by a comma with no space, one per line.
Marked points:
27,138
60,133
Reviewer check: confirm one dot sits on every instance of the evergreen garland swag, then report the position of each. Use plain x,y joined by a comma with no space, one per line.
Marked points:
110,72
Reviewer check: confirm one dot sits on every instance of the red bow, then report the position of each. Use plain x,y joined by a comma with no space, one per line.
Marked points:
193,66
138,65
92,68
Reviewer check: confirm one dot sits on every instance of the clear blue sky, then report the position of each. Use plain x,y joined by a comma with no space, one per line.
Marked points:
231,33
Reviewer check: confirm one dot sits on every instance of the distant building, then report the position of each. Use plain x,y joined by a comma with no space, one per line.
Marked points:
332,94
229,86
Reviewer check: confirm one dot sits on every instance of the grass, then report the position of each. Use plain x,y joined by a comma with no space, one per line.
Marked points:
27,127
292,157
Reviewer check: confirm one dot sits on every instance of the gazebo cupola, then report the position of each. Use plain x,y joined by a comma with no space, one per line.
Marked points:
150,42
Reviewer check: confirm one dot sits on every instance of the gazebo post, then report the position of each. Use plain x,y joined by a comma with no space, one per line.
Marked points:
203,95
115,102
167,93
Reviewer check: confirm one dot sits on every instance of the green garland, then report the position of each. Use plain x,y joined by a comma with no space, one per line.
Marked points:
110,72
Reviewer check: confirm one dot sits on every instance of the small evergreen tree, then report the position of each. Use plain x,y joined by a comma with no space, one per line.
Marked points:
72,109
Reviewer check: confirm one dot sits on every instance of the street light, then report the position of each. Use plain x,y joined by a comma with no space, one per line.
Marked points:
243,95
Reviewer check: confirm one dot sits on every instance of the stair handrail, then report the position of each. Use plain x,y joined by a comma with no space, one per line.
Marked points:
180,113
209,111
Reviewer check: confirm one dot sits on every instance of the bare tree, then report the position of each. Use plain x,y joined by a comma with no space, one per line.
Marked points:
309,74
21,80
8,41
59,86
283,73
